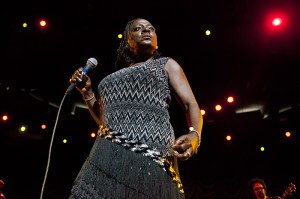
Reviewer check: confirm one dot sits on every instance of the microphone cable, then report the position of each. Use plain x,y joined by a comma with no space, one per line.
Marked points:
50,148
90,64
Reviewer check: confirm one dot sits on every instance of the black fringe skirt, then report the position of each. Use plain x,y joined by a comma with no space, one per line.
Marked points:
113,172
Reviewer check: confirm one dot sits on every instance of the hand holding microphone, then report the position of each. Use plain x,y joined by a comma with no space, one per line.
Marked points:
80,79
82,83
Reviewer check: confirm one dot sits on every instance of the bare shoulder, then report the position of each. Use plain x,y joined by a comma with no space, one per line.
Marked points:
172,66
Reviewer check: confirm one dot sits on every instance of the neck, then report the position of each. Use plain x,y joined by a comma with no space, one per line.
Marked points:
141,59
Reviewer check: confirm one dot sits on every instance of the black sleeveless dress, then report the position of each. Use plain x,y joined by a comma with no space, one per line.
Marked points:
134,102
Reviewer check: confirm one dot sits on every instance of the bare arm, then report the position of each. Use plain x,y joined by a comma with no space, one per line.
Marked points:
84,86
93,105
186,145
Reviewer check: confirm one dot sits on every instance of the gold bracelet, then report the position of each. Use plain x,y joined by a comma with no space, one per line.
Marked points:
89,99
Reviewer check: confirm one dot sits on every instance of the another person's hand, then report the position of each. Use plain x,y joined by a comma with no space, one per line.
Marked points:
185,146
82,81
1,187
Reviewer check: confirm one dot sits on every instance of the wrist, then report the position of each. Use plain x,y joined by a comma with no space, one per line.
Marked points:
88,97
192,130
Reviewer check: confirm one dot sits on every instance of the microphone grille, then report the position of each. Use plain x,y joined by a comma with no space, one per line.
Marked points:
93,61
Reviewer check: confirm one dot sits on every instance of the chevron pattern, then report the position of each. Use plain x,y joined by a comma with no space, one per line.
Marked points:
135,102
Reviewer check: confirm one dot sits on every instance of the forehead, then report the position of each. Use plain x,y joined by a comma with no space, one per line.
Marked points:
142,22
257,185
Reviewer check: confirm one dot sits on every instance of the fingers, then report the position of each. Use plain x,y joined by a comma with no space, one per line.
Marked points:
184,155
182,149
181,145
178,142
188,154
77,76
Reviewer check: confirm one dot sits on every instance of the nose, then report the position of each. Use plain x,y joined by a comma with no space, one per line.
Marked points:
146,29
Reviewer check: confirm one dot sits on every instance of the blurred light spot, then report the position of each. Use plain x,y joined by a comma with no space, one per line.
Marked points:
43,126
218,107
207,32
202,112
288,134
23,128
228,137
230,99
93,135
4,117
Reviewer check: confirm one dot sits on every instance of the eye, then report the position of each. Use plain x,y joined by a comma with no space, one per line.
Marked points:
151,28
137,28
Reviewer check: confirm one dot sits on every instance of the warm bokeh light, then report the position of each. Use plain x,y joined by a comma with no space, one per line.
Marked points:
262,148
43,23
43,126
65,141
202,112
288,134
228,137
218,107
93,134
207,32
23,128
277,21
120,36
24,25
4,117
230,99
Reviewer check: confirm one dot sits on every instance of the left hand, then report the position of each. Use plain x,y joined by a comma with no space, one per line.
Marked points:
185,146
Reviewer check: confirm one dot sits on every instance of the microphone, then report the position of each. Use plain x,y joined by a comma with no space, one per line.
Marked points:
90,64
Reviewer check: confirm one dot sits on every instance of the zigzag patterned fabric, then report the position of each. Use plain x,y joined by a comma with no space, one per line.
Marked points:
135,102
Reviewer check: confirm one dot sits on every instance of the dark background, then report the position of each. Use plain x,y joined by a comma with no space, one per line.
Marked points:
243,57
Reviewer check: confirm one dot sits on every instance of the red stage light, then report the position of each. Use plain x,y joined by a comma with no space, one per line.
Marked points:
276,21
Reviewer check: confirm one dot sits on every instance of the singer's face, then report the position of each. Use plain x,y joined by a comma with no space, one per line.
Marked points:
142,34
259,191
